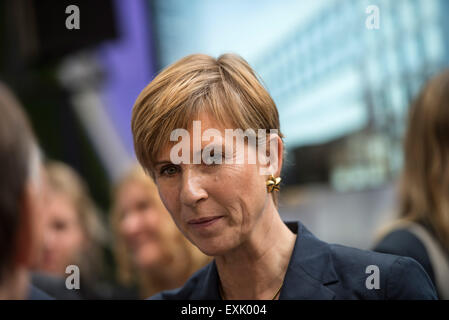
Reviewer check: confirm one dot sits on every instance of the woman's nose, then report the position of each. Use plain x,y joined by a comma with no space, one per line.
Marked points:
49,239
192,190
130,224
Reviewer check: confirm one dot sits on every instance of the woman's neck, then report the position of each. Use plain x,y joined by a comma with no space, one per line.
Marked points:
256,269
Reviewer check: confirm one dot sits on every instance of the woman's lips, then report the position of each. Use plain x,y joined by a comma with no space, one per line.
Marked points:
204,222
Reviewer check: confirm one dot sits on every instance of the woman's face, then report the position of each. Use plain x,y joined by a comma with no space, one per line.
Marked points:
63,235
215,206
143,221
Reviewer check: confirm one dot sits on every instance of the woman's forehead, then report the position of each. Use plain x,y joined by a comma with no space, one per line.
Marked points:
204,128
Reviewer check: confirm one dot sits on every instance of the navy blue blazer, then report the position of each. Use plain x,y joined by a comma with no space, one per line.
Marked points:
318,270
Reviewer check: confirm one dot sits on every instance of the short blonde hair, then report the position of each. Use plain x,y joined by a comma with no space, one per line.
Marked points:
226,88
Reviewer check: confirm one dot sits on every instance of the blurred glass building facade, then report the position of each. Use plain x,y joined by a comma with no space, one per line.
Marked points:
335,77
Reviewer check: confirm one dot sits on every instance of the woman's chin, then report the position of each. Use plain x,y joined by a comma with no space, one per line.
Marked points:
147,260
53,269
213,249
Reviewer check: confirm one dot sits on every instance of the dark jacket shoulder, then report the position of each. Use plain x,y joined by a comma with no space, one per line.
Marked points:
399,277
402,242
198,287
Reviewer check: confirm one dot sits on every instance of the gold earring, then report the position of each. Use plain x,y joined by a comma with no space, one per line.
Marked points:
273,183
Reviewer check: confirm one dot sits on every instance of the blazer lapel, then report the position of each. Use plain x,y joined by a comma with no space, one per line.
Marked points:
310,268
207,287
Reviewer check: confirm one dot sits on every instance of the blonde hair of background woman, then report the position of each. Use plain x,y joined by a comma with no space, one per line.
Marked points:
63,179
424,184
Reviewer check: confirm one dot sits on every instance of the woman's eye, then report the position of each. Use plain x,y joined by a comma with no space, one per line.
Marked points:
142,205
59,225
169,170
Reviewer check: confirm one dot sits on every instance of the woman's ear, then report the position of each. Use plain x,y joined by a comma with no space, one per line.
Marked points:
273,157
278,151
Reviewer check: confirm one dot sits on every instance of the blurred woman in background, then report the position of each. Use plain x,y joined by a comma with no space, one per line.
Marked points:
151,252
422,230
73,233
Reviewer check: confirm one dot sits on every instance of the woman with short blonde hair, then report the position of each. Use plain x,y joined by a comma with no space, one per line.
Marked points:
226,204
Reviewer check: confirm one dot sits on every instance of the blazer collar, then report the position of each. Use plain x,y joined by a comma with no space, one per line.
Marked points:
309,271
310,268
208,285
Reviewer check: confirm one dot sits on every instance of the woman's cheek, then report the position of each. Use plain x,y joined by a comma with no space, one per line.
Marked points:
168,198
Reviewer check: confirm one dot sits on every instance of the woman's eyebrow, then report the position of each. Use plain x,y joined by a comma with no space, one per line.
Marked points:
212,147
162,162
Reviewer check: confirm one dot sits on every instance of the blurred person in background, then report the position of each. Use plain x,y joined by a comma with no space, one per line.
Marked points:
21,204
151,253
74,235
422,230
